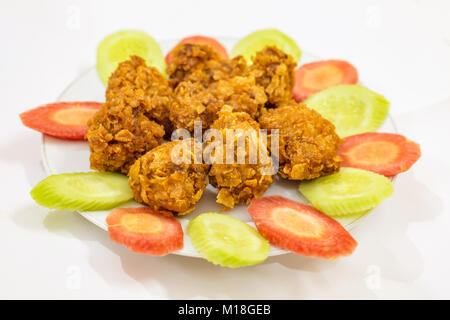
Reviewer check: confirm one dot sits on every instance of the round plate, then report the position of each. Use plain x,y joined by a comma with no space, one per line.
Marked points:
63,156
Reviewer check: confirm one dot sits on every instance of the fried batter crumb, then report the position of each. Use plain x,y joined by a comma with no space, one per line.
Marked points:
201,63
274,71
132,119
239,183
192,103
307,142
241,93
156,180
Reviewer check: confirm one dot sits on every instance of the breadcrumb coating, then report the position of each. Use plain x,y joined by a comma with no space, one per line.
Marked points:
307,142
241,93
127,133
239,183
132,119
274,71
192,102
156,180
201,63
135,78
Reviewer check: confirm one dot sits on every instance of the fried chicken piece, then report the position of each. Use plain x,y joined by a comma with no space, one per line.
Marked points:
241,93
192,102
119,133
135,78
274,71
245,178
126,126
164,182
307,142
201,63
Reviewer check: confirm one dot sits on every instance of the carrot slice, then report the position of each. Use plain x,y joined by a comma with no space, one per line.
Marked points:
300,228
201,40
66,120
383,153
316,76
144,230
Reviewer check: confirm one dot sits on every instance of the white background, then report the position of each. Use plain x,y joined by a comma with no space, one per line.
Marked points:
401,49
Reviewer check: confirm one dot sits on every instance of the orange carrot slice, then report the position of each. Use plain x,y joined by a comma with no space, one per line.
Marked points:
316,76
144,230
66,120
383,153
300,228
201,40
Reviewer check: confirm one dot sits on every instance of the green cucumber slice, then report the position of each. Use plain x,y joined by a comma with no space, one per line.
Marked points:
258,40
351,191
351,218
227,241
119,46
353,109
89,191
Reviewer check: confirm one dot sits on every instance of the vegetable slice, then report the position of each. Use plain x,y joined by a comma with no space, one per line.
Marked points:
347,192
352,108
316,76
144,230
87,191
384,153
66,120
258,40
119,46
201,40
300,228
227,241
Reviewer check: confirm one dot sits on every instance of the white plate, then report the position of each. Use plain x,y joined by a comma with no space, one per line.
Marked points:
62,156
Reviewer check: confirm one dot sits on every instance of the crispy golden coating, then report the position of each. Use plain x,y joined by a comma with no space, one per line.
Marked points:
166,184
201,63
119,134
307,142
192,102
126,126
241,93
274,71
133,78
239,182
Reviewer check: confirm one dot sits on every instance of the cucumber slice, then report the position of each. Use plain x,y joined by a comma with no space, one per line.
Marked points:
89,191
258,40
119,46
353,109
351,191
227,241
351,218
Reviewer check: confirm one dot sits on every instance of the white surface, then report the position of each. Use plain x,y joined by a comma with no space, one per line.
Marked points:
401,49
62,156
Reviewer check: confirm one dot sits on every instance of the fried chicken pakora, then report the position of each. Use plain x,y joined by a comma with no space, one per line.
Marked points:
241,93
131,121
201,63
307,142
142,107
245,178
192,102
274,71
168,184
